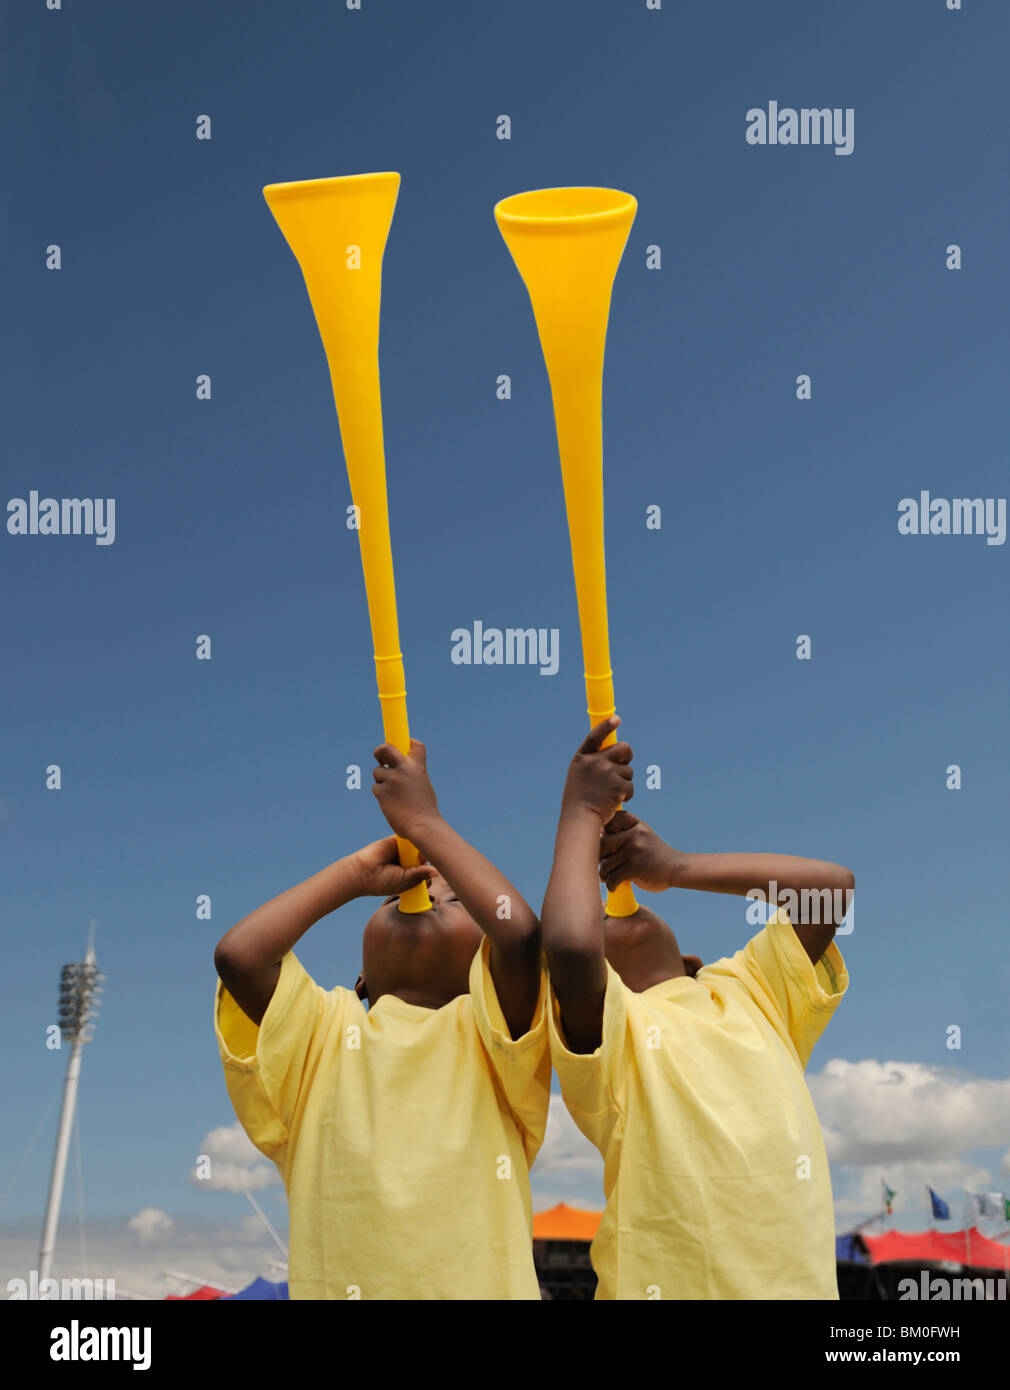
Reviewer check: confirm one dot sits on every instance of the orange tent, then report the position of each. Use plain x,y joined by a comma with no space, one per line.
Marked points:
565,1223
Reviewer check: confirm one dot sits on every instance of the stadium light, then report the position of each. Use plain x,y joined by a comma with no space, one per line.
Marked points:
80,999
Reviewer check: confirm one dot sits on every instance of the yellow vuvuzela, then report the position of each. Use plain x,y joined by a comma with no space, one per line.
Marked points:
337,229
567,244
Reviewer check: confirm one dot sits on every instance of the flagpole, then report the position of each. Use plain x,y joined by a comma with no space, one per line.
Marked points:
967,1229
870,1220
263,1217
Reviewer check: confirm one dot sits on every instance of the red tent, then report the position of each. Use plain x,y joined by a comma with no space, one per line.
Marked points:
934,1247
203,1294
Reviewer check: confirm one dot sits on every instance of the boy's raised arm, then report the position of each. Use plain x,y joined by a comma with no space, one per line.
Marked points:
248,957
599,781
819,893
404,791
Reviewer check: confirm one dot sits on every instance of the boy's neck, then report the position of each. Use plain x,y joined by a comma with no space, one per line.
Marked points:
643,953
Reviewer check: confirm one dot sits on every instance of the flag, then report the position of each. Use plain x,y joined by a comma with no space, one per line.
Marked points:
989,1204
889,1196
941,1211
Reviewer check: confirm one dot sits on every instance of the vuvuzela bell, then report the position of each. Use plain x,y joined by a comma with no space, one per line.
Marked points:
337,229
567,244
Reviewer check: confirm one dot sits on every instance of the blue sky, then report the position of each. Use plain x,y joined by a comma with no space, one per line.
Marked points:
779,516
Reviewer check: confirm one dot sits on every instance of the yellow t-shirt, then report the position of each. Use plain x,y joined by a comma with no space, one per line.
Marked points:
404,1135
716,1177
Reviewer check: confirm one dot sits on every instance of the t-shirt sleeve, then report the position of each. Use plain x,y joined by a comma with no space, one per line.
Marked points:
796,994
522,1065
591,1082
265,1065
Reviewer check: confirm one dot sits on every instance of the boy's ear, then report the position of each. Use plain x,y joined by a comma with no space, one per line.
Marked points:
692,964
360,988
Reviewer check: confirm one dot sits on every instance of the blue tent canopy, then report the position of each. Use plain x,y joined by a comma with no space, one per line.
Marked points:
849,1248
259,1289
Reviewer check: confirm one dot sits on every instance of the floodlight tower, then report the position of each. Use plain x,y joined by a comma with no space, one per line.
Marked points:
80,990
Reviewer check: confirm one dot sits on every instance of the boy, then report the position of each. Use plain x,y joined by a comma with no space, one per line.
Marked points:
689,1078
405,1133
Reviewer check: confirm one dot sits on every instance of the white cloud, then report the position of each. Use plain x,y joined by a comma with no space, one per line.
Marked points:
252,1228
235,1164
890,1112
568,1168
858,1189
148,1223
913,1125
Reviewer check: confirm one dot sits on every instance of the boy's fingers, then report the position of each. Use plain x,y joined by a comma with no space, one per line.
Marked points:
418,750
420,873
614,840
619,753
614,878
591,743
388,755
610,864
622,821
